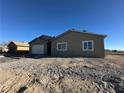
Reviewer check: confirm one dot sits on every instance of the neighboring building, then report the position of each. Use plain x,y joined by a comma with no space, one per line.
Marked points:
71,43
41,45
18,47
3,49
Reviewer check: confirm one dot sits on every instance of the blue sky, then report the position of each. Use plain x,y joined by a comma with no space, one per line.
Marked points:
23,20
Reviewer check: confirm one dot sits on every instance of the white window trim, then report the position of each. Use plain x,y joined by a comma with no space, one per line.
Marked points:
88,49
62,49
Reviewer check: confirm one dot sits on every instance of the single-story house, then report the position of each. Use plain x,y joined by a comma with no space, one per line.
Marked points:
72,43
18,47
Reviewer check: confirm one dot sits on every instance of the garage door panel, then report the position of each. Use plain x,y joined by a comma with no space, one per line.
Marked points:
38,49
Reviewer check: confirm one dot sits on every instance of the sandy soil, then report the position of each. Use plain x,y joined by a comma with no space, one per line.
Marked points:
63,75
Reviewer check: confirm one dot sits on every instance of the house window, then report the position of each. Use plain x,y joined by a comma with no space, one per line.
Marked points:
62,46
87,45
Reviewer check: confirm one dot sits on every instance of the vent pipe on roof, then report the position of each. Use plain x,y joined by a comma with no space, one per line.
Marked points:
72,29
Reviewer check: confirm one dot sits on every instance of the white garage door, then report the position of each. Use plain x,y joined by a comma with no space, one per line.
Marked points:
38,49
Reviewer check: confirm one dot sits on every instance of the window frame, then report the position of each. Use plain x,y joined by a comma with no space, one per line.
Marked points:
65,46
86,41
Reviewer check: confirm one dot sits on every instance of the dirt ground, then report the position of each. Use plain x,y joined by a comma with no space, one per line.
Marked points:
62,75
8,59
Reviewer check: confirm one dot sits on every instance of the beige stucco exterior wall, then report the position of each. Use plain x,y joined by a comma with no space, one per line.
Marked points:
22,48
74,47
39,42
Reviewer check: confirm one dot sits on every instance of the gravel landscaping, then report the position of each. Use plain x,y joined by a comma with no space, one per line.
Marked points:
63,75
